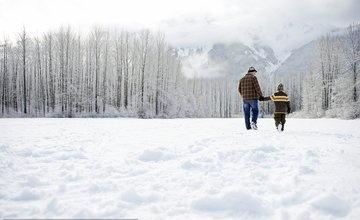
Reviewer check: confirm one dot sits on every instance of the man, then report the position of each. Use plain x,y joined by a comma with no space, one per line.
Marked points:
282,106
250,91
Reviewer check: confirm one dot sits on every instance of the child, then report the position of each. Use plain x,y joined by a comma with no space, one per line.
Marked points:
282,106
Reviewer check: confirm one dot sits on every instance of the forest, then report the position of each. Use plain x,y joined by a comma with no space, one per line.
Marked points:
117,73
108,73
330,87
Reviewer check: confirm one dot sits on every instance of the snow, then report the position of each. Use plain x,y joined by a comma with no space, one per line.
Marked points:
179,169
332,204
233,203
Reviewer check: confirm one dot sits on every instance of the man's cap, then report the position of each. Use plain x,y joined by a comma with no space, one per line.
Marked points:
251,69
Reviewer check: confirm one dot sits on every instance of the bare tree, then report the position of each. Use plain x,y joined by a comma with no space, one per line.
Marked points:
23,45
353,54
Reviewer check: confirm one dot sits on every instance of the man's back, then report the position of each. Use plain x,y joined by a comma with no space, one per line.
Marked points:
249,87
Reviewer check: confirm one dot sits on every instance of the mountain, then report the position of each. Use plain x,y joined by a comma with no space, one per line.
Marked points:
229,60
240,57
233,60
299,60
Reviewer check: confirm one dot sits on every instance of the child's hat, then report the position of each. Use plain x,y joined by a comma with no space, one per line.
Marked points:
280,87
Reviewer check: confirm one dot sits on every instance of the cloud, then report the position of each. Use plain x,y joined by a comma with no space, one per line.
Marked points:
282,24
198,65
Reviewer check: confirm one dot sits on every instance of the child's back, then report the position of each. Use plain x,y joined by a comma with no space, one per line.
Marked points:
282,106
281,100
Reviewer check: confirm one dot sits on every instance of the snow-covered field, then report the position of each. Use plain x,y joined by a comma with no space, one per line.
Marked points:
179,169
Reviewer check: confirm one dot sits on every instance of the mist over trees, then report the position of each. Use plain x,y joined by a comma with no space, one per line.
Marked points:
103,74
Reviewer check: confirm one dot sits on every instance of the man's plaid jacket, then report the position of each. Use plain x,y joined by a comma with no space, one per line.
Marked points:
249,87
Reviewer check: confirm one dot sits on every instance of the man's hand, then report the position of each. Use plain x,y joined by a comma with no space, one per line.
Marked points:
261,98
288,110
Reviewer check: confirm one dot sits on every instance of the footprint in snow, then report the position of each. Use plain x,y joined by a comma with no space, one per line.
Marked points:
155,155
332,205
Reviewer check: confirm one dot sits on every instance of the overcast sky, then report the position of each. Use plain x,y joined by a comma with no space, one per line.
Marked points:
282,24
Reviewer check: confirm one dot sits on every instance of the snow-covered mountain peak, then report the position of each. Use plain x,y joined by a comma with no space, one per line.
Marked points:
228,59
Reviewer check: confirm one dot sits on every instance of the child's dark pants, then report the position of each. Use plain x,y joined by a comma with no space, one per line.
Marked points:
280,119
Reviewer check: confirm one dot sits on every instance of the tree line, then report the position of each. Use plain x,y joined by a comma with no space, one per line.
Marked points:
105,73
111,73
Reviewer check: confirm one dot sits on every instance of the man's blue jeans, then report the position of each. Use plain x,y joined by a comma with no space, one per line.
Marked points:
254,107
